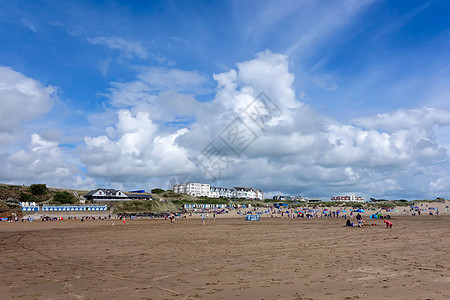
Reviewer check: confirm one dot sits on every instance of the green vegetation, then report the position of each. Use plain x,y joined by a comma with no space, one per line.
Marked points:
145,206
64,197
34,193
169,201
26,197
38,189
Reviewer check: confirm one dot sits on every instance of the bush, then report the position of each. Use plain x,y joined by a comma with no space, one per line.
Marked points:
25,197
64,198
38,189
157,191
145,206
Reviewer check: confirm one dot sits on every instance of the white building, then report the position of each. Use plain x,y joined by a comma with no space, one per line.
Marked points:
259,194
115,195
288,198
205,190
241,192
106,195
348,198
193,189
195,206
218,192
248,193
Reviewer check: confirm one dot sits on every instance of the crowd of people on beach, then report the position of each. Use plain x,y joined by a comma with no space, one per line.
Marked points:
360,222
352,216
76,218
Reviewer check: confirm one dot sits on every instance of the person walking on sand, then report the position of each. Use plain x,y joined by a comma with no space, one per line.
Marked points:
203,219
124,221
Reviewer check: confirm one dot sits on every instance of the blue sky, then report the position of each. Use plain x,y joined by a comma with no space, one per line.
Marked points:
128,95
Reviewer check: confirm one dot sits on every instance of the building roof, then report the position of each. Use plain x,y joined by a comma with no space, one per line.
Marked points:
241,188
138,195
107,191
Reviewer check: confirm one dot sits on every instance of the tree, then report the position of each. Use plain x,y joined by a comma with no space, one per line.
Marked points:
157,191
64,198
25,197
38,189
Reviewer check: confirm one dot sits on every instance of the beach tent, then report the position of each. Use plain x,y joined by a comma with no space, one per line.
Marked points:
252,218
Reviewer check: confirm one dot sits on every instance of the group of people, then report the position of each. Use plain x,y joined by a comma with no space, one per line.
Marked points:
11,219
172,217
361,222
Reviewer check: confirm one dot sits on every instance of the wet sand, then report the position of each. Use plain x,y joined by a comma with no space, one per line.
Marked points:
227,258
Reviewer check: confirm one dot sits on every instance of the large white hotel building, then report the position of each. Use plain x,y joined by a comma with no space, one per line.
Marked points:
206,190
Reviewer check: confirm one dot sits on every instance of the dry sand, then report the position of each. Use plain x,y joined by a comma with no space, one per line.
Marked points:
227,258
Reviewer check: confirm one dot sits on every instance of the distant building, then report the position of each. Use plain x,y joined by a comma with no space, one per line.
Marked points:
193,188
219,192
288,198
115,195
282,198
74,207
348,198
298,198
248,193
313,200
205,190
139,195
195,206
259,194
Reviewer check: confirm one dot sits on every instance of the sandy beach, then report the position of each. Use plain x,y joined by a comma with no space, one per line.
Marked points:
227,258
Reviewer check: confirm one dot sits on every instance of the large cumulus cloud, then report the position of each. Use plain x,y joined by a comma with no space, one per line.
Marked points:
42,161
156,130
134,147
30,157
297,150
21,99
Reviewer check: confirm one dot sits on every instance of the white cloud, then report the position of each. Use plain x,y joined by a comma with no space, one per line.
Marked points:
43,161
134,148
267,73
425,118
166,92
21,98
29,24
312,152
297,150
325,81
126,47
161,79
332,19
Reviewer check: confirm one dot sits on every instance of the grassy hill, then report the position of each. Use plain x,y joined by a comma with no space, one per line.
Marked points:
11,195
23,193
